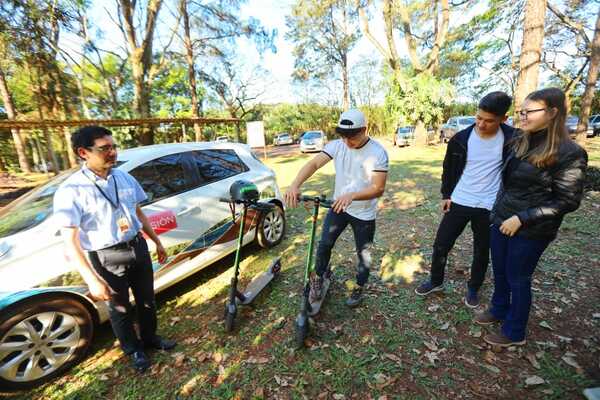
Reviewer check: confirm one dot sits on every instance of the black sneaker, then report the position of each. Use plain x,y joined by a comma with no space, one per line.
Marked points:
355,297
161,344
140,361
471,298
427,287
316,288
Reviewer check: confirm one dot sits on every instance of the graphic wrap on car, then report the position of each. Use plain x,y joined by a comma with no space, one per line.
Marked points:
223,232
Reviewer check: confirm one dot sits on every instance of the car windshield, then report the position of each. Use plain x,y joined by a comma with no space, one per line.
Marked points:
406,131
31,209
467,121
312,135
572,120
284,136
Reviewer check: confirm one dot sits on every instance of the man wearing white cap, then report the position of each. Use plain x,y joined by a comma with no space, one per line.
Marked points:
361,166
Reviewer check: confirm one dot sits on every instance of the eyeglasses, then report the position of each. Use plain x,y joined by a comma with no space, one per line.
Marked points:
104,149
525,113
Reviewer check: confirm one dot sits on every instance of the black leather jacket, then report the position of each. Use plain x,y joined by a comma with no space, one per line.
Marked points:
540,197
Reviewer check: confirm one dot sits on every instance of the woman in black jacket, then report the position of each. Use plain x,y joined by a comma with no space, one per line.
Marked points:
543,180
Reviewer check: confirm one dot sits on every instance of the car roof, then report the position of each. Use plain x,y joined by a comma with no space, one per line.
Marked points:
143,153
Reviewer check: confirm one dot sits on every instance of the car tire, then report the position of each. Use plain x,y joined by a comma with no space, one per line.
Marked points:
271,227
58,327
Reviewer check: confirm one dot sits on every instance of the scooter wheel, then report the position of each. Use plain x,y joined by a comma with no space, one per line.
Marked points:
276,268
229,321
301,334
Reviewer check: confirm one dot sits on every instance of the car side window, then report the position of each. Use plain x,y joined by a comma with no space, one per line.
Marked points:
215,165
162,177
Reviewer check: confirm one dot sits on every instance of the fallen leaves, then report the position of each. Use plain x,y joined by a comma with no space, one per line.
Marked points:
546,325
534,380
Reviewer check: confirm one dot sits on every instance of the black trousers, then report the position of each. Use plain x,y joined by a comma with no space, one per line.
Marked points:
124,268
452,225
333,226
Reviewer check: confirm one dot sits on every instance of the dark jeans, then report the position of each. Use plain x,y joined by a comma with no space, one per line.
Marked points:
513,259
452,225
333,226
123,269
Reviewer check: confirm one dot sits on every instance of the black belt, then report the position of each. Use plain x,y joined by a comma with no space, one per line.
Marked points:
125,245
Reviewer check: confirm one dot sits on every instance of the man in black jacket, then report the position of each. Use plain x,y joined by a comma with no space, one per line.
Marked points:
470,182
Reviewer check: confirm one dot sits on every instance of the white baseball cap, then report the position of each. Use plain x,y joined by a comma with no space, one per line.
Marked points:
351,122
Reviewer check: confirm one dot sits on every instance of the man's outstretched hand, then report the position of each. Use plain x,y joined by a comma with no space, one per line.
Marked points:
291,197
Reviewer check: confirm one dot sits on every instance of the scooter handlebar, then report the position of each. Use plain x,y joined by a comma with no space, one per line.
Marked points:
321,199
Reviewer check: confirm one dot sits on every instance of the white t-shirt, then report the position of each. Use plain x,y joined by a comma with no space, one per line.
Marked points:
354,172
480,180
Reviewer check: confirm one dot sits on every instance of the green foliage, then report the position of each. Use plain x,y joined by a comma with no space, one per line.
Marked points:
421,98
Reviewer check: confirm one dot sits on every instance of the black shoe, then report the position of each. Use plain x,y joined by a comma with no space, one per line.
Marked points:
140,361
471,298
162,344
355,297
427,287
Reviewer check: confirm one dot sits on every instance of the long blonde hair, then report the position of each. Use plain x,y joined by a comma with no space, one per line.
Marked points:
546,154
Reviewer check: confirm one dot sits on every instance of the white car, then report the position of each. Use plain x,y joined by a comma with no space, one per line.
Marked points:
404,136
47,319
283,139
453,126
312,141
222,139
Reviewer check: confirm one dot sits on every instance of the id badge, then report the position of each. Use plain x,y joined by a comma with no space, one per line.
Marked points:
122,223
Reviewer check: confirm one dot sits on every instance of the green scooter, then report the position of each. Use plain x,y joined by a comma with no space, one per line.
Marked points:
246,193
308,309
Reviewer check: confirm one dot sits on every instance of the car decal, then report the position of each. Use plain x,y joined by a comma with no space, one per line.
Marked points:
162,222
223,232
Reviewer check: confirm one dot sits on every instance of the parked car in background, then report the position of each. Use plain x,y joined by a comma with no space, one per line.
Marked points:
595,124
312,141
283,138
222,139
48,319
404,136
454,125
572,121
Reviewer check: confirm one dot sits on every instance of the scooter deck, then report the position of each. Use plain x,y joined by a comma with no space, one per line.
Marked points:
260,282
316,306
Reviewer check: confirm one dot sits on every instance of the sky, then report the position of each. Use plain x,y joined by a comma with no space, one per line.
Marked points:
271,13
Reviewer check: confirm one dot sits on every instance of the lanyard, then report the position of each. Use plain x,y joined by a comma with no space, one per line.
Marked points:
112,203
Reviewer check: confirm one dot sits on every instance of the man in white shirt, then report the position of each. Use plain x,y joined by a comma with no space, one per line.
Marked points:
470,181
361,166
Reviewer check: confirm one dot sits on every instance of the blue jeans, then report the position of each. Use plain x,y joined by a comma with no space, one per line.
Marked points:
333,226
513,259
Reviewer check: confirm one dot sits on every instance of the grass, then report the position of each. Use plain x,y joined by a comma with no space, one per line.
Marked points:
395,346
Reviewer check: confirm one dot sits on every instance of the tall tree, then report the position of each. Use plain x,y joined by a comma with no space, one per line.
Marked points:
531,49
189,56
425,33
324,33
140,50
11,113
590,84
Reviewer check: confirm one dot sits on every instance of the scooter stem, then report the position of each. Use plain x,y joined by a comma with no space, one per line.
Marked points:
234,292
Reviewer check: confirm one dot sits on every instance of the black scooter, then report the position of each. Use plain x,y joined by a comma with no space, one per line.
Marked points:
308,309
246,194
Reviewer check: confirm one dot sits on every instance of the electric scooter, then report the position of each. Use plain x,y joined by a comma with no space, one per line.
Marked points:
246,193
308,309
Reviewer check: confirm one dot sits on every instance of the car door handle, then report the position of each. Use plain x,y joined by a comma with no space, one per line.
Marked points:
186,210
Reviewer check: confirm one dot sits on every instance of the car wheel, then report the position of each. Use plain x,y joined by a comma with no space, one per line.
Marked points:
41,339
271,227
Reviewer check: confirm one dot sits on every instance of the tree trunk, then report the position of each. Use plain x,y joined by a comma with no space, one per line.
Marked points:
345,82
9,106
140,58
590,85
531,50
65,111
189,56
